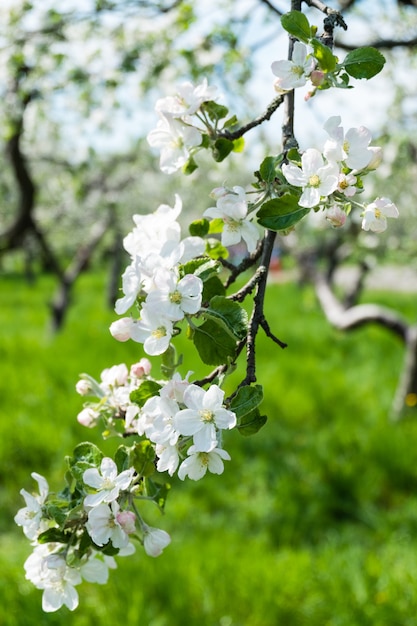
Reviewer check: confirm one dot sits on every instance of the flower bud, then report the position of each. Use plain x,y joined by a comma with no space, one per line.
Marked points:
83,387
140,369
375,159
155,540
336,216
317,77
127,521
121,329
88,417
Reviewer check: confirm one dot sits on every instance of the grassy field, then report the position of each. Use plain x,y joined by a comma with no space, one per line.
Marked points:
314,521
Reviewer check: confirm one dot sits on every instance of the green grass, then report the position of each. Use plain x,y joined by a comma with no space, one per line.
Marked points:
314,521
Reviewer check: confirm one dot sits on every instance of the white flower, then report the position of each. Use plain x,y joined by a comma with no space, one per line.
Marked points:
347,184
157,420
174,298
107,482
174,139
153,330
336,216
103,526
315,177
187,100
131,285
96,568
376,213
197,463
30,516
83,387
50,572
168,458
294,73
122,329
232,208
114,376
204,415
352,148
155,540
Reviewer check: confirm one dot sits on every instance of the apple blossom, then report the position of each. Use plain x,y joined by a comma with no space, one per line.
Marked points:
197,463
131,285
141,368
107,483
232,208
153,330
187,100
336,216
174,139
317,178
346,184
30,516
103,525
174,298
293,73
352,148
88,417
168,458
376,213
155,540
204,414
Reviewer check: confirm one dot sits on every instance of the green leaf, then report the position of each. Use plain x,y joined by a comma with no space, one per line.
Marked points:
143,458
87,452
216,226
323,54
222,148
199,228
281,213
204,267
232,121
170,362
146,390
213,287
214,344
251,423
121,458
231,314
189,167
54,535
158,491
216,250
297,25
56,510
364,62
215,111
246,400
238,144
267,169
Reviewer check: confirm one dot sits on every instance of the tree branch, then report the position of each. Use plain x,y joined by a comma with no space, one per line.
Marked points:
236,134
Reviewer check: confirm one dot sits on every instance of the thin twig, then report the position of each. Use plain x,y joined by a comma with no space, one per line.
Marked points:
236,134
245,264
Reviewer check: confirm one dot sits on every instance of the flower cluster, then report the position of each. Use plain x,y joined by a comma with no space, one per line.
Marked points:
99,525
176,134
155,279
331,179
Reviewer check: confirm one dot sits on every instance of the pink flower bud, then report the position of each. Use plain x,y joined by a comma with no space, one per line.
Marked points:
336,216
317,77
218,192
140,369
88,417
127,521
121,329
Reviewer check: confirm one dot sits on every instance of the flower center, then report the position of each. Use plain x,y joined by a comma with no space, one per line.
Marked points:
378,214
107,484
314,181
204,458
175,297
343,184
346,146
232,224
159,332
207,416
298,70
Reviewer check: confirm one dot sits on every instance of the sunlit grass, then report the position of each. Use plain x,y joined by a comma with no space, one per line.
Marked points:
314,521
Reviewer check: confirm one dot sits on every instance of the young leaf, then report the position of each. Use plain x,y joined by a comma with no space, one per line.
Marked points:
251,423
323,54
364,62
222,148
267,169
238,144
199,228
215,111
297,25
213,287
281,213
143,458
146,390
